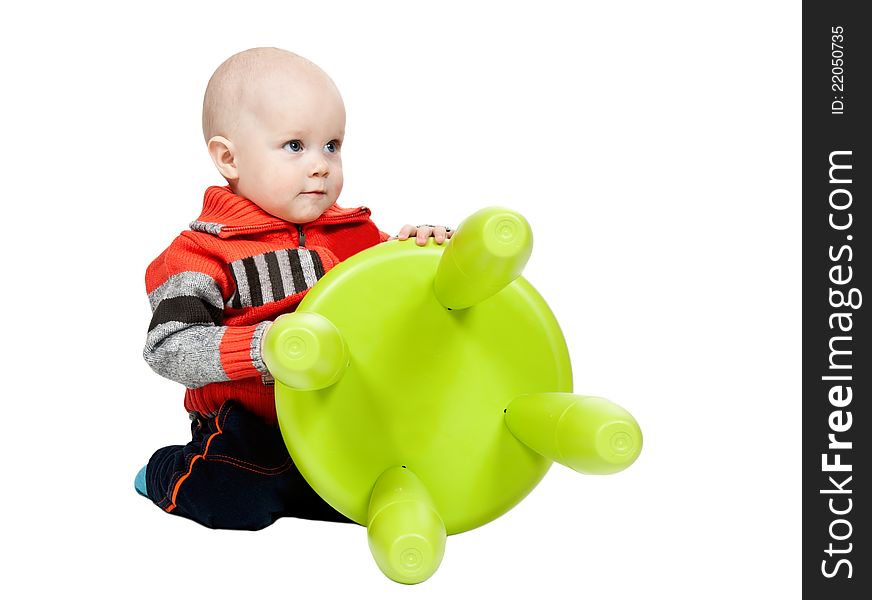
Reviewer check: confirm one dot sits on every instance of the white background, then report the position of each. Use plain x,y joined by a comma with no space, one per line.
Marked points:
655,149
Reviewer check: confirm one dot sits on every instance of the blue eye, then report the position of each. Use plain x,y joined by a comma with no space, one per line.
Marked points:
332,146
293,146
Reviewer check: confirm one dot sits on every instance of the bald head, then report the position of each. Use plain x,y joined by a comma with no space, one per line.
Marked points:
247,77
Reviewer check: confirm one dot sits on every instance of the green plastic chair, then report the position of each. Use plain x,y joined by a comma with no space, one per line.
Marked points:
424,391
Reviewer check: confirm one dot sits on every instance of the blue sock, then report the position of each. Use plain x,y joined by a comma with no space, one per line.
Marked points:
139,483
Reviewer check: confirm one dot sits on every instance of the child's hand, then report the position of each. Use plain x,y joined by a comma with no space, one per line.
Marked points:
422,232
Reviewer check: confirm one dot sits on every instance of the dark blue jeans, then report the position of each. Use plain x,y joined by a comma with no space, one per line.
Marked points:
235,474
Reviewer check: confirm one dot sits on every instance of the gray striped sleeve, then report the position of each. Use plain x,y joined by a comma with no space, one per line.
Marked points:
241,282
188,354
308,268
263,276
287,276
189,283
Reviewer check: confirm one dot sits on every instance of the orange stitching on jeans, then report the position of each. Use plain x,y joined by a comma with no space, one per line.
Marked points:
286,467
174,480
251,464
191,466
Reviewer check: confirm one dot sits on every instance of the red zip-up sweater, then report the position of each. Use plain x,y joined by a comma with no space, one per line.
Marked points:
216,289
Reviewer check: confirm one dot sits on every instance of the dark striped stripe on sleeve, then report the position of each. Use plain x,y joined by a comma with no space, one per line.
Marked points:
185,309
185,333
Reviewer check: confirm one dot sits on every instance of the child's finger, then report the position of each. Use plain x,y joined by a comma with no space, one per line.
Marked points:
406,231
439,233
423,233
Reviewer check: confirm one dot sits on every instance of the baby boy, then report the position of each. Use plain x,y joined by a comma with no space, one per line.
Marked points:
274,125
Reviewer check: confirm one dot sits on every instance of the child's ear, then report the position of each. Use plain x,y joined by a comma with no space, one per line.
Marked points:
223,155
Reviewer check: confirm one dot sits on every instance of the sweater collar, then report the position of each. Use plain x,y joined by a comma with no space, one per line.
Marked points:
226,214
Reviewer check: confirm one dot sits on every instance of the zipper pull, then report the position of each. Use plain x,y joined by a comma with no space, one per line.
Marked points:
301,234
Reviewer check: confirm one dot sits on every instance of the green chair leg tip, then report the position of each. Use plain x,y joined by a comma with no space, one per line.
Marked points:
507,234
412,559
618,445
305,351
406,557
406,534
300,347
488,252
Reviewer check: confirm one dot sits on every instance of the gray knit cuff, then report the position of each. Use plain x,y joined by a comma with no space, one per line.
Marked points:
257,345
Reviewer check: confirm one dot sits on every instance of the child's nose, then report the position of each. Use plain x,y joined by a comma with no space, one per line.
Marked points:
319,167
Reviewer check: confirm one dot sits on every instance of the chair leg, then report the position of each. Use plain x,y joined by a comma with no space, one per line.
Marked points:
406,534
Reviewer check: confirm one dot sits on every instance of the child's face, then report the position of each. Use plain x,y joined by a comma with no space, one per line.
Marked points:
287,149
